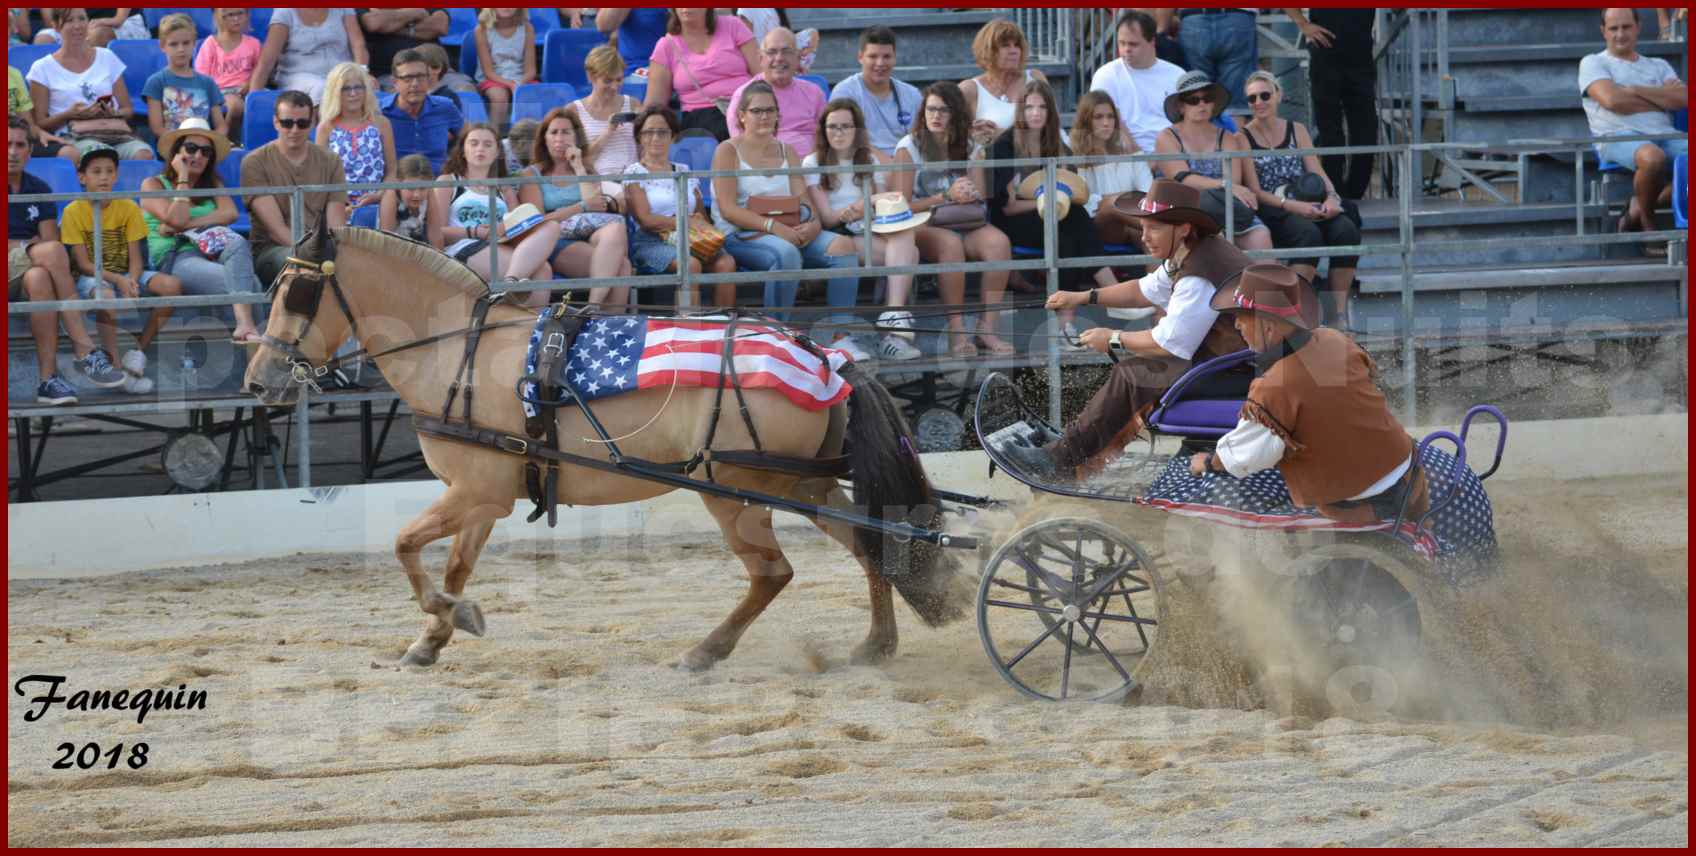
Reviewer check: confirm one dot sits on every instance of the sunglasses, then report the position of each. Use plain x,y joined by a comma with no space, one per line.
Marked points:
196,149
1255,97
1192,100
298,124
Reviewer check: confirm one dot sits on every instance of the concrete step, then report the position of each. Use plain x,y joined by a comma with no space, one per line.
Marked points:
1509,277
1448,219
1515,70
1557,298
1535,26
1495,126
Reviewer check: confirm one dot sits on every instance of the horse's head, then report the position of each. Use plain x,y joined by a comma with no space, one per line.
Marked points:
302,334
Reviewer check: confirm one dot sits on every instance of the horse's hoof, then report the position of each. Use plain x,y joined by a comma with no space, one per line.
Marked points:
871,654
467,616
697,660
418,656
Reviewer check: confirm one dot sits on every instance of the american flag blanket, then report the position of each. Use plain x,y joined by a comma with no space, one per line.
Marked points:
1460,539
618,354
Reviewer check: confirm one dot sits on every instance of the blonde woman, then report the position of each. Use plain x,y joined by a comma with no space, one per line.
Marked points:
1099,131
606,115
356,132
1001,51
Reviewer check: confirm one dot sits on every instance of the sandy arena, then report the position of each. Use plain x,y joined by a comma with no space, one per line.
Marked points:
567,724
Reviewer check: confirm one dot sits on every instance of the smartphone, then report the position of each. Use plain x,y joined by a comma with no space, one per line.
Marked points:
622,118
108,103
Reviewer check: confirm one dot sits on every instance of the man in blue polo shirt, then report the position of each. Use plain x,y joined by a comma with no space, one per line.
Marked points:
423,124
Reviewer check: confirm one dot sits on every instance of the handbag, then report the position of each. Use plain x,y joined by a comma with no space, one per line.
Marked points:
960,216
211,240
705,242
584,224
781,209
1213,202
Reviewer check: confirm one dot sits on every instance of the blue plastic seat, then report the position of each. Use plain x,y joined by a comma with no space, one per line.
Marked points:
203,22
59,173
141,58
563,53
258,22
635,89
21,57
471,106
545,21
229,171
365,217
1681,191
534,100
131,173
817,80
460,24
468,57
256,126
697,154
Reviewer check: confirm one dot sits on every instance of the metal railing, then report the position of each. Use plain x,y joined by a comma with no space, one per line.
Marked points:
1412,57
1403,247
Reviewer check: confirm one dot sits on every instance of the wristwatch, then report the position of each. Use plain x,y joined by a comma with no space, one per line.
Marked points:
1092,298
1115,343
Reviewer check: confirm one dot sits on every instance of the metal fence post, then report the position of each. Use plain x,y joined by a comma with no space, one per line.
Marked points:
494,240
99,250
680,239
303,439
1410,378
1049,239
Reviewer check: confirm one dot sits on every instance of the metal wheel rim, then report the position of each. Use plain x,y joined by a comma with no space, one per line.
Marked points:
1120,600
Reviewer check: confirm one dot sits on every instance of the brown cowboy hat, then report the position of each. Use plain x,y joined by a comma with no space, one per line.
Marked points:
1273,290
1169,202
1193,82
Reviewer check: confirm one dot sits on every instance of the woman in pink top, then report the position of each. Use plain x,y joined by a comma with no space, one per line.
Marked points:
229,58
705,57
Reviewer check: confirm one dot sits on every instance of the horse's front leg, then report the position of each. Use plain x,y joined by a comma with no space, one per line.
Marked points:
749,534
470,524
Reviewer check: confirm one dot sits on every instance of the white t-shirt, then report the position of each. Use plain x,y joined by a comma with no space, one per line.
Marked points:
1140,96
889,118
1644,71
1189,311
847,190
662,190
66,88
1115,177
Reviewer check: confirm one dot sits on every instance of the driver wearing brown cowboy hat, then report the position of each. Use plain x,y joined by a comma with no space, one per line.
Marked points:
1314,412
1196,262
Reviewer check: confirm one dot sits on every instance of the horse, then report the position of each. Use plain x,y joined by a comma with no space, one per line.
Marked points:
391,292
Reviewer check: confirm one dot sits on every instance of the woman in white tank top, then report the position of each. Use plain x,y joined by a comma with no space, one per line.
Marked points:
1001,51
612,146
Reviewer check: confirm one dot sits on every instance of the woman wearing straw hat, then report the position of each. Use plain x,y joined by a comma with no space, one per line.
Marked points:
1196,261
1016,206
1192,107
1314,413
190,238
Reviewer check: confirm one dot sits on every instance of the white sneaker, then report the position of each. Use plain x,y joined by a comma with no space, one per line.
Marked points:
847,345
1125,314
1069,338
897,322
891,346
137,385
135,362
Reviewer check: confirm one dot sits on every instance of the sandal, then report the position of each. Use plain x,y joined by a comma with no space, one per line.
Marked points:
963,350
1003,349
249,339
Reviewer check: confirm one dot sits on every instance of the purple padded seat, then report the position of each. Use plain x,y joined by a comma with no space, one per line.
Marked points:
1209,418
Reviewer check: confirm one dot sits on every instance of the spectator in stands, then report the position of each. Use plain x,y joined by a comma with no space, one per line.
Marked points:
229,58
1344,86
420,123
190,238
799,103
390,31
760,242
955,198
19,27
446,82
1138,81
592,238
1099,131
102,30
1192,109
19,106
520,142
637,31
1166,28
607,114
650,194
1036,134
889,105
354,130
302,45
1224,44
37,268
842,139
120,272
177,93
505,42
461,224
704,57
1001,51
406,212
763,21
80,89
1275,178
1628,93
287,161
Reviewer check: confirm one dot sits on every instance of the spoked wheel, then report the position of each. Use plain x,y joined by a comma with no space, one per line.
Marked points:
1097,603
1360,621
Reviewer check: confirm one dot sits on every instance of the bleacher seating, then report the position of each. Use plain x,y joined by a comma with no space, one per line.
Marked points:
203,22
21,57
816,80
563,53
545,21
471,106
258,21
468,57
131,173
229,171
256,126
1681,191
59,173
534,100
635,89
460,24
365,216
697,154
141,58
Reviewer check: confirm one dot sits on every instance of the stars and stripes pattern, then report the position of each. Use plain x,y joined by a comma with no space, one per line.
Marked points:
618,354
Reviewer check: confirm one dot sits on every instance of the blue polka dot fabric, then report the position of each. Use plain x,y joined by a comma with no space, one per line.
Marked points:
1459,539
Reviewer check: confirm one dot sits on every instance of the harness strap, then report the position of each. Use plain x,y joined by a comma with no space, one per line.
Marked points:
467,361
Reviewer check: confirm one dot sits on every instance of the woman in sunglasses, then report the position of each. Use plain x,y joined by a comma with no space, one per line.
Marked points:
1192,108
1284,184
190,238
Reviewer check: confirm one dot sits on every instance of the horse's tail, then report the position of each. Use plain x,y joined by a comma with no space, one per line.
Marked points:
890,484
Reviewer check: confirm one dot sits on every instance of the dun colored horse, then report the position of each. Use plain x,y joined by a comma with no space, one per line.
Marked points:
399,292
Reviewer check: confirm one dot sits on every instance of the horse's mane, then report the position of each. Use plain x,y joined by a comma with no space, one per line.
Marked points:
433,261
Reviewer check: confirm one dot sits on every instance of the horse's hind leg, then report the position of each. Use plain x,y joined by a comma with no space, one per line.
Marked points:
470,525
881,640
748,532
